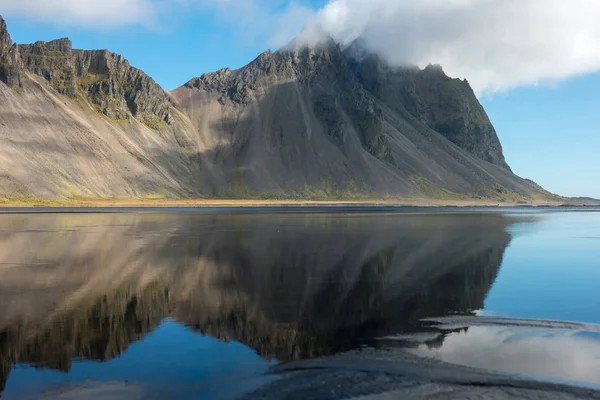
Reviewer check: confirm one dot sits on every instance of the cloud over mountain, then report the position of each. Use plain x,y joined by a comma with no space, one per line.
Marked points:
495,44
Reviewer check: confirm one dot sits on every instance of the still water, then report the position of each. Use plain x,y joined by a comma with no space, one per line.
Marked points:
189,303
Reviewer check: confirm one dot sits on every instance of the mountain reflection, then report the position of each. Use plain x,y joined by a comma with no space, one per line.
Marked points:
290,286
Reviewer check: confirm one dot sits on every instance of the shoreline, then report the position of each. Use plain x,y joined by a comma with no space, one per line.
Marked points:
214,203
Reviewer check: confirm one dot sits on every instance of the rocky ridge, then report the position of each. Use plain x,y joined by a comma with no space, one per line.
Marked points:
107,80
54,62
119,90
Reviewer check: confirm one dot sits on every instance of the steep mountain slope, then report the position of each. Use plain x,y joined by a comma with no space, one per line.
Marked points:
306,115
307,121
446,105
85,123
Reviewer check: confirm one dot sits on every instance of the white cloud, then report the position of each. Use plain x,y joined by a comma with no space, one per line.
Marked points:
561,354
495,44
85,13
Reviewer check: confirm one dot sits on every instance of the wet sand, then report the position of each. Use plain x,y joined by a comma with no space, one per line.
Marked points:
393,374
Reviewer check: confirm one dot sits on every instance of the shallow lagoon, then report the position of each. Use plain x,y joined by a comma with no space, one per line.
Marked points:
188,303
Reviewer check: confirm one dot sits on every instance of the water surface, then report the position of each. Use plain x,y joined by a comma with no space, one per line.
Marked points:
185,303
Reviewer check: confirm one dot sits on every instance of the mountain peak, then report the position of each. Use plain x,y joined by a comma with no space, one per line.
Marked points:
313,39
436,68
310,52
358,50
63,45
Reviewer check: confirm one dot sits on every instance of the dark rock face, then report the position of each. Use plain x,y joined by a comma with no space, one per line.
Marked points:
11,69
324,62
448,106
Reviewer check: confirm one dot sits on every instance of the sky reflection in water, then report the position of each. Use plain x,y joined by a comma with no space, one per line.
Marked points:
140,305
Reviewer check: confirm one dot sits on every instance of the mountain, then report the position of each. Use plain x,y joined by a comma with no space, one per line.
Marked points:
311,120
79,123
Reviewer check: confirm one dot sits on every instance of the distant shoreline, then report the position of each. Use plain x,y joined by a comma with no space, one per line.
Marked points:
214,203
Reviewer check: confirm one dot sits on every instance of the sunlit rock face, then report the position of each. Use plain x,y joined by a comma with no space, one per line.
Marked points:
107,80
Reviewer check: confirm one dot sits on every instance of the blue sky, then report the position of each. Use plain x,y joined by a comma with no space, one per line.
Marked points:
551,133
540,86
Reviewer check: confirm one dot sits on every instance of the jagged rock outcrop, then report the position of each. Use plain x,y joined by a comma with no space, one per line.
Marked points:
107,80
54,62
11,69
119,90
